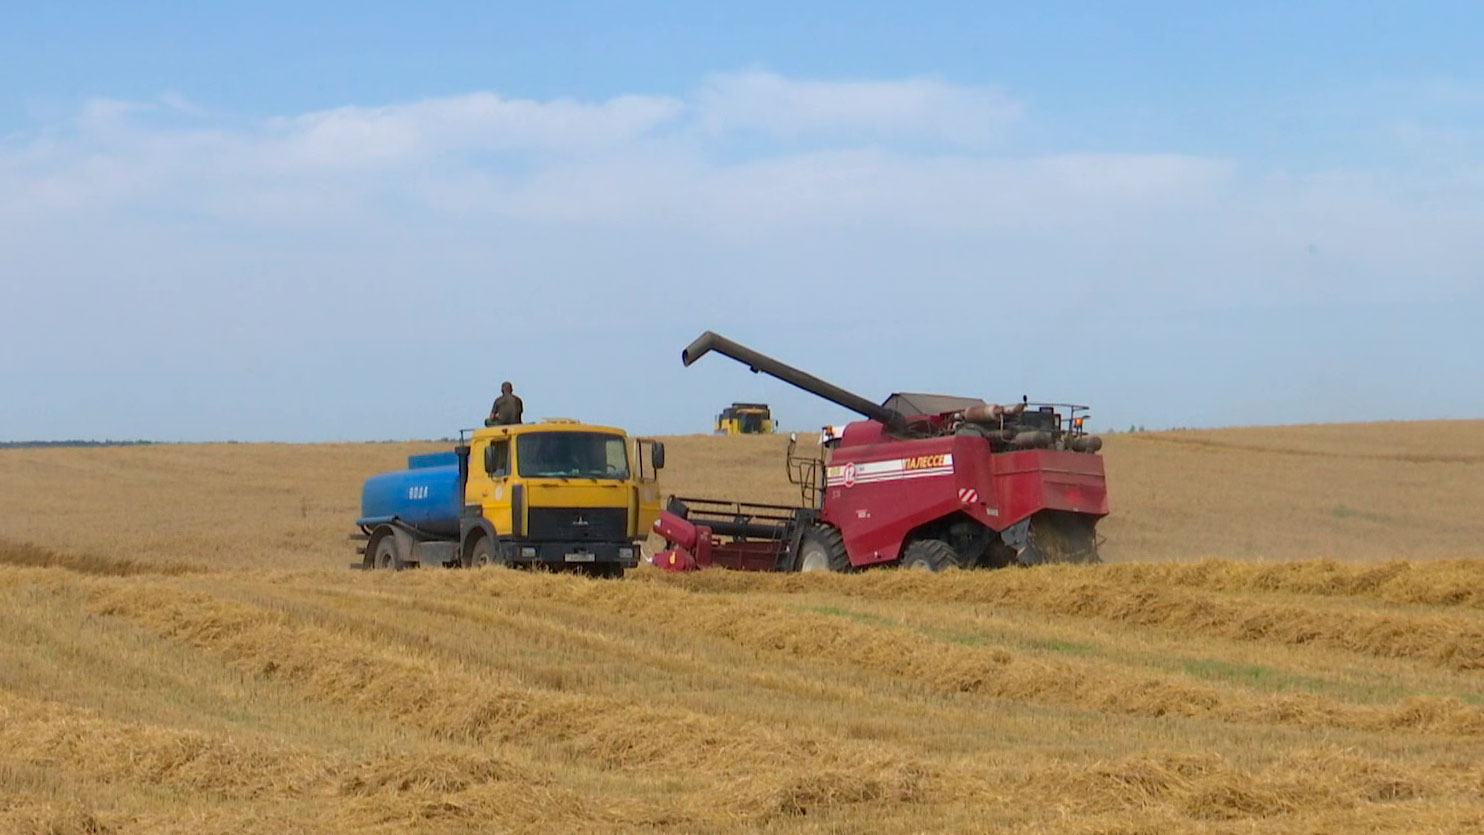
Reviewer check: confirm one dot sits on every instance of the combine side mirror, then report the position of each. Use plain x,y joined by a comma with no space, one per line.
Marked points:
489,459
657,455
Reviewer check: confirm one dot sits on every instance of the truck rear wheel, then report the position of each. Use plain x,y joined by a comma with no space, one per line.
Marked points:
822,549
931,555
387,556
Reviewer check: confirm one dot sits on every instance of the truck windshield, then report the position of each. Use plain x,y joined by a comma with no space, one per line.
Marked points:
572,455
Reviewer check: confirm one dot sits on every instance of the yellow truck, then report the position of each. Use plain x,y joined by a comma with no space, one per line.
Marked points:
558,493
745,419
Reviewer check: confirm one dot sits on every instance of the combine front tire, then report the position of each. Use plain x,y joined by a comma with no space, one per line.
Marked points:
930,555
822,549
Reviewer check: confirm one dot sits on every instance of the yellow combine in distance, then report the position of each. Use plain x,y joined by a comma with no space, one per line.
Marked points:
745,419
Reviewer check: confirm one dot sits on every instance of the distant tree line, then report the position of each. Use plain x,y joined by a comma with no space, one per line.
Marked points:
23,444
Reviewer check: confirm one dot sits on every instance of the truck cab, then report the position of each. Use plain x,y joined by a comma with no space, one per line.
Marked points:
558,493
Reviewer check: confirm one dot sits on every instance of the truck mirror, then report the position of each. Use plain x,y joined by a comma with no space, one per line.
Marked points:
657,455
489,459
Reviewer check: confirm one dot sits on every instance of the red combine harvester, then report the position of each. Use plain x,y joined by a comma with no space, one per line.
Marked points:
925,481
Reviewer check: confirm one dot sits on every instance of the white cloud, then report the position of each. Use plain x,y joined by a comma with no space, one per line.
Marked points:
181,104
107,114
895,160
921,109
836,189
349,137
115,153
369,242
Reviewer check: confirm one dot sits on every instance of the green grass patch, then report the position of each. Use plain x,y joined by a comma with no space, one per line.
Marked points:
1343,512
1069,647
1250,674
858,617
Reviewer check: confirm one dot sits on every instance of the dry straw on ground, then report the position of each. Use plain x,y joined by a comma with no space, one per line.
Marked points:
190,654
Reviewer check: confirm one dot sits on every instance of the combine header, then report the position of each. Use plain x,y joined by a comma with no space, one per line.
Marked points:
924,481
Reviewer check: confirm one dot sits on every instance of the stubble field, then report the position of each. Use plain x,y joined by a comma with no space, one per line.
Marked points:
1289,636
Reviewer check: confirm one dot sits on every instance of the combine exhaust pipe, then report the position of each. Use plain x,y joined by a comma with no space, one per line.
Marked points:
893,420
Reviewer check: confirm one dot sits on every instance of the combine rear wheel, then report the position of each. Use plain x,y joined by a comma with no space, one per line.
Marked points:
930,555
822,549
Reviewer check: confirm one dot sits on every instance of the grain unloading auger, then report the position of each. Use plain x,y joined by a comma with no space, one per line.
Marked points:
924,481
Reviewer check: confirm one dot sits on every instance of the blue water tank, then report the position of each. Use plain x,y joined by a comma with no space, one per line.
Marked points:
427,495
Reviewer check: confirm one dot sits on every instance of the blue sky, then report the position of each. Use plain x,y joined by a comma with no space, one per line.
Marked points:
271,222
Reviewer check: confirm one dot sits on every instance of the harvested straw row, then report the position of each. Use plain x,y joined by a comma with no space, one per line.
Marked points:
1314,790
588,642
340,668
1436,582
83,744
999,673
1142,793
1454,641
1205,786
828,787
508,810
1323,780
1147,788
32,813
78,740
26,554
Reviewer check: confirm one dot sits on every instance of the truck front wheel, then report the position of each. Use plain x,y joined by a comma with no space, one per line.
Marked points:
483,554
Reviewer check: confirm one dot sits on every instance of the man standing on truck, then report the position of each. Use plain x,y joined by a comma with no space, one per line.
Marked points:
507,408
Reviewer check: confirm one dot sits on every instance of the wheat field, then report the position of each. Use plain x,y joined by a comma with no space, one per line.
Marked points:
1288,637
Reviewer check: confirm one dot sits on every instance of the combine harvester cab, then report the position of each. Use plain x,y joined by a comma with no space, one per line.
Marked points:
925,481
745,419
